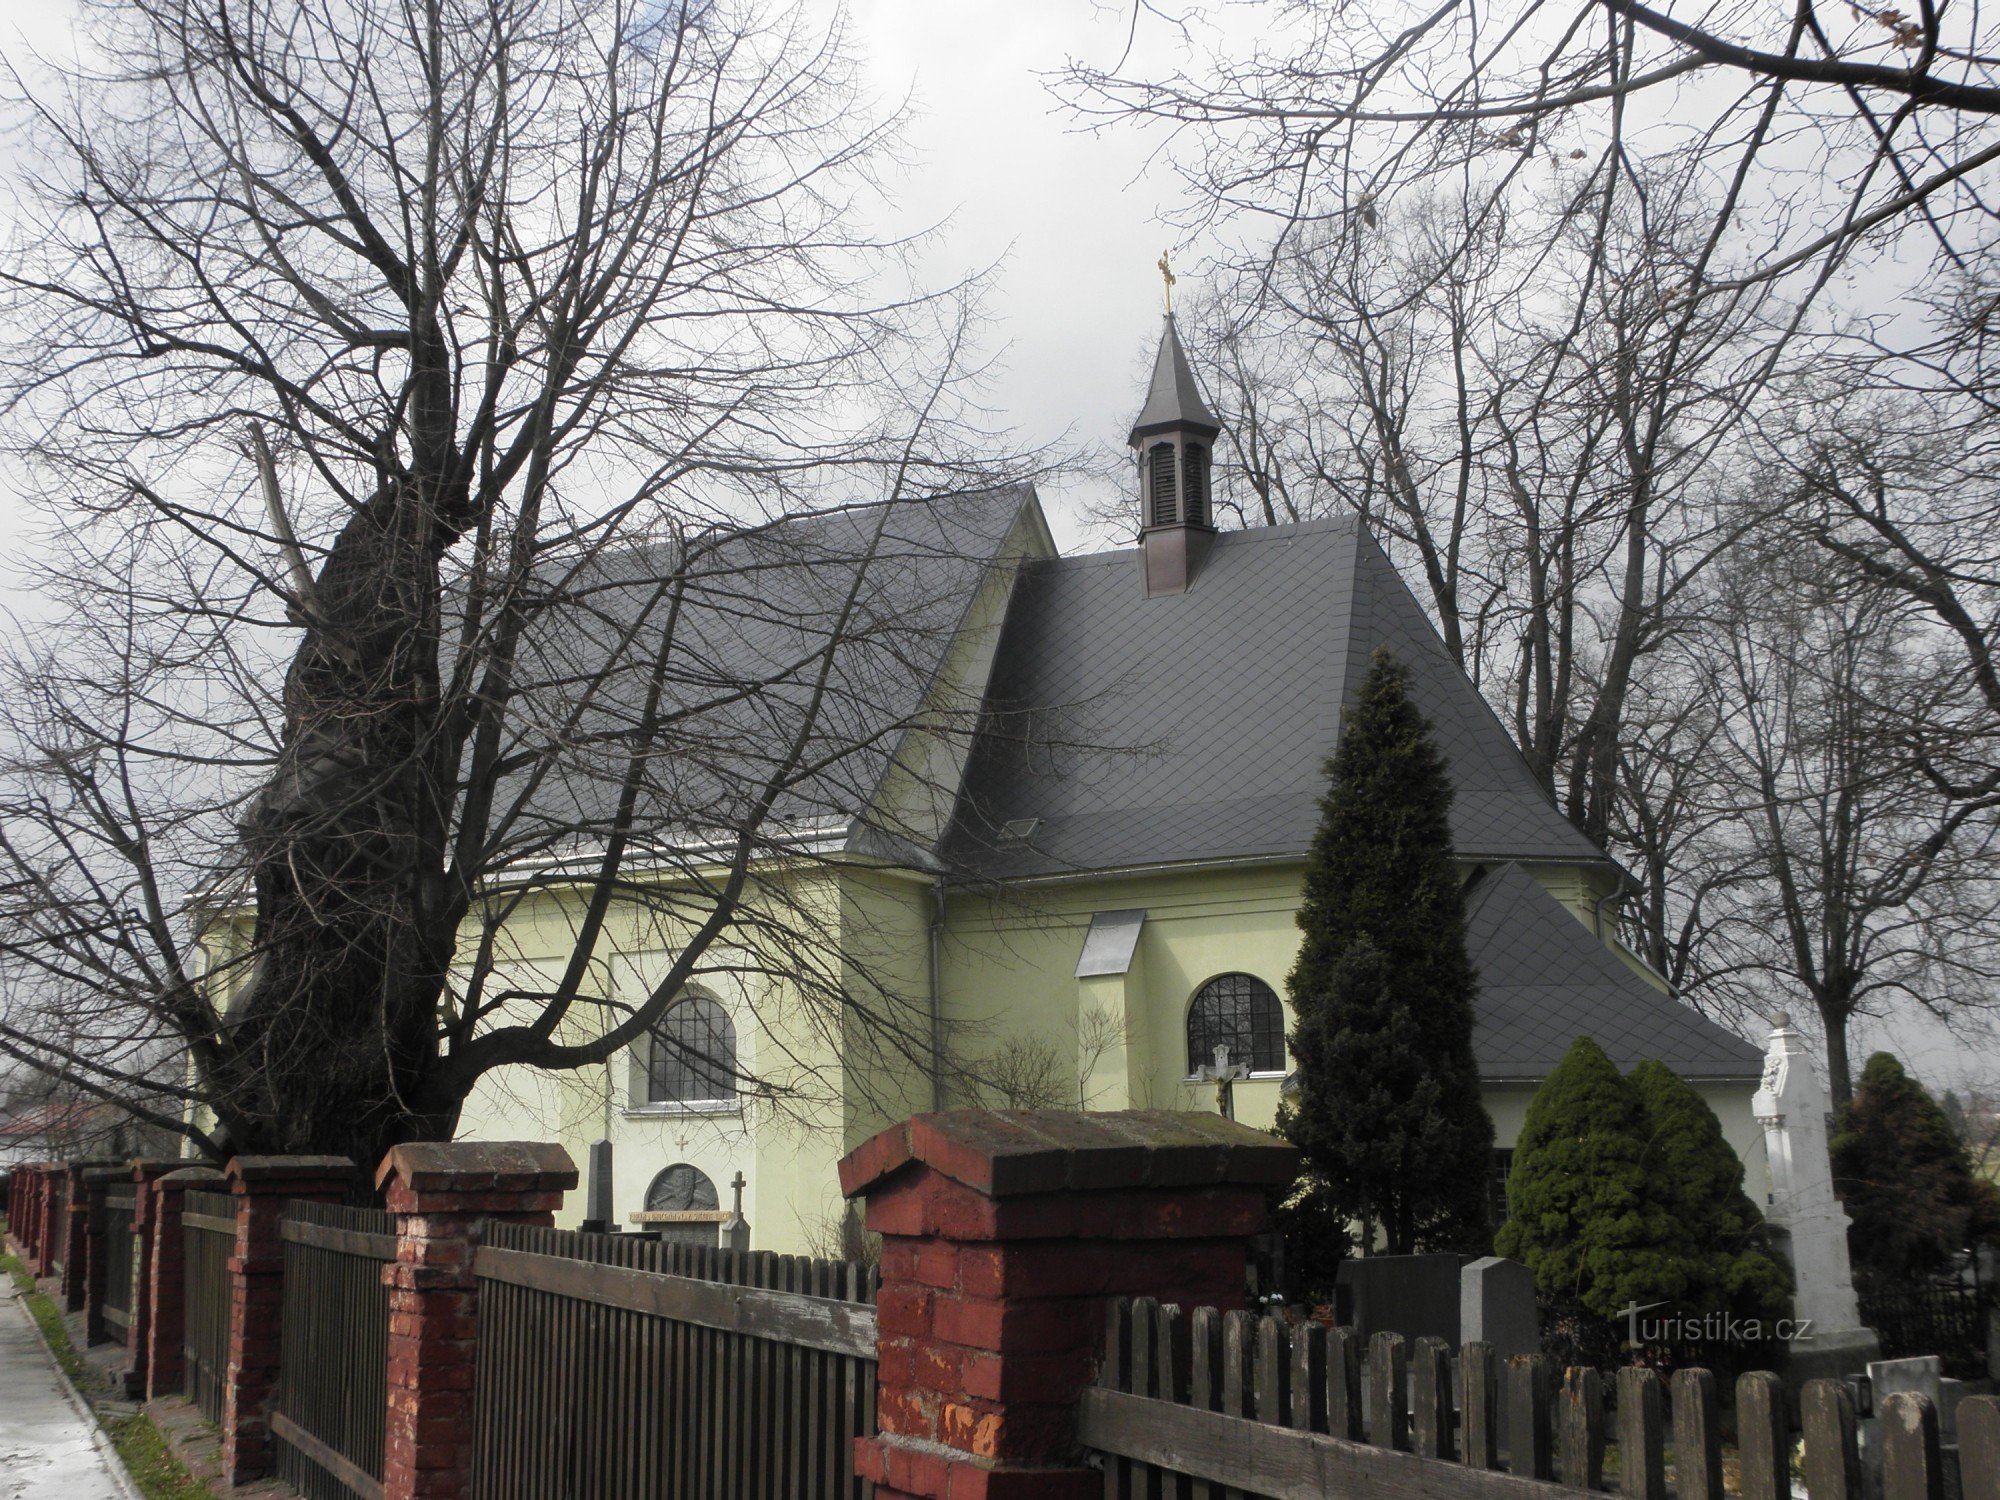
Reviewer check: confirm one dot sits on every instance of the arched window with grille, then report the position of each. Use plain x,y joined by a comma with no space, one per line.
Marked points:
691,1054
1195,482
1242,1013
1163,492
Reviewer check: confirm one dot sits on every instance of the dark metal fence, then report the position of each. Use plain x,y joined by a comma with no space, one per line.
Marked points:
208,1223
116,1307
58,1226
333,1351
616,1366
1947,1320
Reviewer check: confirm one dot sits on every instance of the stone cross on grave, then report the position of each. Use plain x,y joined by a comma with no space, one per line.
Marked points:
736,1229
1223,1074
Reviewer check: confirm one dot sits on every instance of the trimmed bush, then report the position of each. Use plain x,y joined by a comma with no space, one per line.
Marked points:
1585,1217
1690,1166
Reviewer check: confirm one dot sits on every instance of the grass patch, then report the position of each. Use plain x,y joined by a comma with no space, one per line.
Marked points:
151,1463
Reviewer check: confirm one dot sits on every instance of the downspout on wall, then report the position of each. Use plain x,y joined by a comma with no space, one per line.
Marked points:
937,991
1616,894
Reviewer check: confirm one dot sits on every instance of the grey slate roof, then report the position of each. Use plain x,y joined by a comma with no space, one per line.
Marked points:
1195,727
1544,980
740,674
1173,395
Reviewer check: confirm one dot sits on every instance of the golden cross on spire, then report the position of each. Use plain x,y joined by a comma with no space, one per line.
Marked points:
1168,278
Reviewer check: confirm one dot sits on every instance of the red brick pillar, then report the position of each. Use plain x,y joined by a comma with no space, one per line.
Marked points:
1003,1234
96,1183
262,1186
439,1193
165,1274
75,1232
46,1242
139,1328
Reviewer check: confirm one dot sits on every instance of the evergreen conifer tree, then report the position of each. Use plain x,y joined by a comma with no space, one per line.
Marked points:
1583,1214
1389,1116
1699,1179
1905,1179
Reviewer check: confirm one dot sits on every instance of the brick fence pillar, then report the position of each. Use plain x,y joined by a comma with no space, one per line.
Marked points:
96,1228
166,1274
75,1231
139,1324
439,1193
47,1246
1003,1234
262,1186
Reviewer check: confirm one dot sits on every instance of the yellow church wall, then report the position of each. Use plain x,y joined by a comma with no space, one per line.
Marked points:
1006,967
1009,958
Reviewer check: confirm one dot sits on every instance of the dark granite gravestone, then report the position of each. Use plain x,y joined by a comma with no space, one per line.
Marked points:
1414,1295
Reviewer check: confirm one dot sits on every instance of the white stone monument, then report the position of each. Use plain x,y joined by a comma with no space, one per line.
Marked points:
1792,1107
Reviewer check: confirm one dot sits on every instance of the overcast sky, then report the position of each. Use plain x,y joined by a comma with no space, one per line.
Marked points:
1073,221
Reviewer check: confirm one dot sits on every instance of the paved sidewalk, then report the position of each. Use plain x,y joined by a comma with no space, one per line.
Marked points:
48,1448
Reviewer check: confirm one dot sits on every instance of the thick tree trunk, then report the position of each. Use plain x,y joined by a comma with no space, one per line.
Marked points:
1839,1079
328,1044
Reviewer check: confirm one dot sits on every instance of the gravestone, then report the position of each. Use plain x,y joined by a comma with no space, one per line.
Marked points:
1792,1107
1496,1305
1414,1295
597,1217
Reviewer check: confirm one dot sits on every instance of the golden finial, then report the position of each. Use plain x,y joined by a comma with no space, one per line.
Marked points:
1168,278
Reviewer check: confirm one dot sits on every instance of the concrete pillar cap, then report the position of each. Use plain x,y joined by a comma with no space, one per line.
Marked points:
473,1166
1008,1153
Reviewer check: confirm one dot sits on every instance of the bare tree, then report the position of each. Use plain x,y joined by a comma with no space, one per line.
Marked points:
1857,883
418,388
1539,432
1822,126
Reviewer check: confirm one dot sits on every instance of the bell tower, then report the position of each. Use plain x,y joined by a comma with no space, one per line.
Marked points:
1173,440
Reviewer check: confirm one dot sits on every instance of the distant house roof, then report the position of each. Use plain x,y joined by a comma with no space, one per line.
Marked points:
1544,980
1125,731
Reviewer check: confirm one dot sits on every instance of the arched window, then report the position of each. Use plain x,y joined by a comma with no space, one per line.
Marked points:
691,1055
1163,491
1196,484
681,1189
1242,1013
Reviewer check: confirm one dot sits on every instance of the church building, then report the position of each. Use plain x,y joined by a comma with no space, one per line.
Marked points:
1089,884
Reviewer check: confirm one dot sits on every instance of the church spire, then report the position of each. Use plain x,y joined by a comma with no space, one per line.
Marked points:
1173,438
1173,399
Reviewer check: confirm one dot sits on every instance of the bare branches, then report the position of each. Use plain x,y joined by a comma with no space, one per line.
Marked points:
548,320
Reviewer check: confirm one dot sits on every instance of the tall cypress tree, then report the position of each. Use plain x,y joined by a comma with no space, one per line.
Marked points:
1388,1114
1905,1179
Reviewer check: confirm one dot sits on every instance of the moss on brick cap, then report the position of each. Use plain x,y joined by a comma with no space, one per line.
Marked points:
474,1166
1008,1153
190,1176
260,1169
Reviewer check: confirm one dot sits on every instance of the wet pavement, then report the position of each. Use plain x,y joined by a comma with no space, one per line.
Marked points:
48,1447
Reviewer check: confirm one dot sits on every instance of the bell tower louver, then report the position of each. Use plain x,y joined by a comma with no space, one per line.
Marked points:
1173,439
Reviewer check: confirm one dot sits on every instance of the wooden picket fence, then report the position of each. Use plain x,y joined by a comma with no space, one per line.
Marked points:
617,1366
1226,1404
208,1224
333,1384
